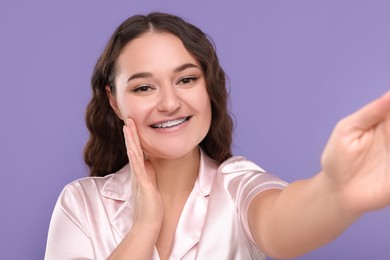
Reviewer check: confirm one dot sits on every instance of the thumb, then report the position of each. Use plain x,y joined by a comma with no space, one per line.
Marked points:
150,172
371,114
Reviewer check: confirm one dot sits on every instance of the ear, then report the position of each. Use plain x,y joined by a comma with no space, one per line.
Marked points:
113,102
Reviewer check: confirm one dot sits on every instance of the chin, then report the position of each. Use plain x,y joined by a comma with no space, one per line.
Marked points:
169,153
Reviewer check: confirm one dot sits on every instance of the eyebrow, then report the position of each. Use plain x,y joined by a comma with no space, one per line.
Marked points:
140,75
185,66
149,75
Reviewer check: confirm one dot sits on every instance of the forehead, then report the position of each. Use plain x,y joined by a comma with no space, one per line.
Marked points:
154,50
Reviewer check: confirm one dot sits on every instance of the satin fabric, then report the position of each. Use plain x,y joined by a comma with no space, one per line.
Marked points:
92,215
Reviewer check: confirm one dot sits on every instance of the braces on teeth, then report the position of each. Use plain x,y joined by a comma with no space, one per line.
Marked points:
170,123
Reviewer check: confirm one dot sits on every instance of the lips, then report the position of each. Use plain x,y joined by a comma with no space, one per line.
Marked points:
171,123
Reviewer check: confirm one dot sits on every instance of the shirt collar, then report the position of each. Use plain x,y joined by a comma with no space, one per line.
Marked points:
118,185
207,170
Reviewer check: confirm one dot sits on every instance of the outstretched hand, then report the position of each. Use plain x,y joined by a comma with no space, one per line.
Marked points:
356,159
148,209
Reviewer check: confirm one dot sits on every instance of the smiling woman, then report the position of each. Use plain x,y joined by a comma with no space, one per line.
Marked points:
163,182
161,86
105,151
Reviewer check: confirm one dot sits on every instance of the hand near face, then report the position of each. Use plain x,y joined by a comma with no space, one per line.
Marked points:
148,209
356,159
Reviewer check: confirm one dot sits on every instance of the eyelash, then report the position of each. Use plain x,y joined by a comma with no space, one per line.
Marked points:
183,81
142,88
189,79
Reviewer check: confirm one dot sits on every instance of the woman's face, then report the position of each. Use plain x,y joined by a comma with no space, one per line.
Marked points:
160,85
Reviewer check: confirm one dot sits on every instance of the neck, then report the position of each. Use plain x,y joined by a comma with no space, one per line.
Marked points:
176,177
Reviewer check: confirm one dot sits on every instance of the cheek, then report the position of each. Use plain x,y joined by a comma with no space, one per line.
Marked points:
205,103
208,114
134,109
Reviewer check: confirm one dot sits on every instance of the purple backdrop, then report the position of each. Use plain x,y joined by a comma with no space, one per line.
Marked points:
295,68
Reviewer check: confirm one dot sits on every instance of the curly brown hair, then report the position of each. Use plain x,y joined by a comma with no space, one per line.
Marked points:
105,151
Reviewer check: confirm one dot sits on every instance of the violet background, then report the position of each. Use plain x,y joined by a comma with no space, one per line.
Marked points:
295,69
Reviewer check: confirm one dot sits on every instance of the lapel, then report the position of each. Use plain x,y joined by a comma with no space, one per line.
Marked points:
119,208
189,227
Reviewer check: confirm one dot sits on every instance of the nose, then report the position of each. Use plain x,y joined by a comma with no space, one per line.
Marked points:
169,100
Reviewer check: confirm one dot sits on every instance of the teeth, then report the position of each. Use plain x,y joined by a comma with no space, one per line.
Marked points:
170,123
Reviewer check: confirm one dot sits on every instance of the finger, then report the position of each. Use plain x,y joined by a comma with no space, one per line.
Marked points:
128,144
371,114
137,166
135,158
134,132
143,171
151,173
135,153
132,142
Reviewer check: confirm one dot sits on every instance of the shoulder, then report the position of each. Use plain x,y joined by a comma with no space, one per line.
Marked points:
240,168
238,164
242,179
77,194
112,186
87,185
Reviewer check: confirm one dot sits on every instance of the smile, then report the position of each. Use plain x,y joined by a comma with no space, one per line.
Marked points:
171,123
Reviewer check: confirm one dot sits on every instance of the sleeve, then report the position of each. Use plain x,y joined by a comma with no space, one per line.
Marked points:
243,180
68,236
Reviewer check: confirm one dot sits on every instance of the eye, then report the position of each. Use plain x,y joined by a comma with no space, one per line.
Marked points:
187,80
142,88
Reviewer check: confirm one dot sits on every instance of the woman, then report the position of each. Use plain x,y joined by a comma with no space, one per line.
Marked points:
176,192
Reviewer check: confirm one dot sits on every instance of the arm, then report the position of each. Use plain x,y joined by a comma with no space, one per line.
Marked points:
139,242
355,179
294,221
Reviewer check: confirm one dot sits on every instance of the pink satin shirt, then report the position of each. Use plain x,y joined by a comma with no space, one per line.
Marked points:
92,215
